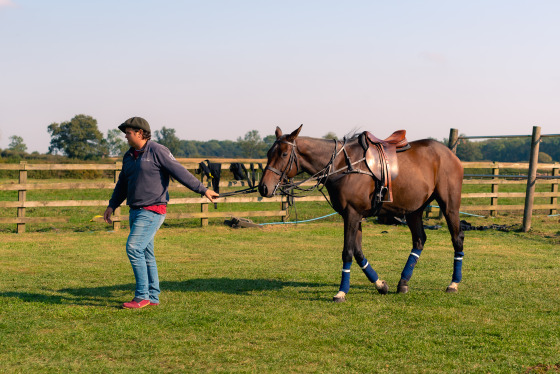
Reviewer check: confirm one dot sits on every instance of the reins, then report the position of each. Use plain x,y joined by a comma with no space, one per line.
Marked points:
239,192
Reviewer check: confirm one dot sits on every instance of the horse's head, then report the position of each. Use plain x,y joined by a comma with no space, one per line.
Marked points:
282,162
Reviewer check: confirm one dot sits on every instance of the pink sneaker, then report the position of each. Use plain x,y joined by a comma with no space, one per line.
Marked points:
154,304
136,304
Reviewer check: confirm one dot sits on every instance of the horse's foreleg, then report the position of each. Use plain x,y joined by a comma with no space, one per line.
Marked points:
380,285
416,227
344,282
371,274
352,238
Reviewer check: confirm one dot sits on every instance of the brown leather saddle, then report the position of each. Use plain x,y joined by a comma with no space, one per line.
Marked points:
381,160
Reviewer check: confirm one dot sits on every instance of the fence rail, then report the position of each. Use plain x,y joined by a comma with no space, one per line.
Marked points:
495,180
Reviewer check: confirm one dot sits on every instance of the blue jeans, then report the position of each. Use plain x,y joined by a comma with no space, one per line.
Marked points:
140,250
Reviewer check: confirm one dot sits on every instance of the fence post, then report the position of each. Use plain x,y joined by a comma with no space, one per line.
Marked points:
452,144
285,207
204,209
531,178
554,188
428,210
117,212
22,195
453,140
494,200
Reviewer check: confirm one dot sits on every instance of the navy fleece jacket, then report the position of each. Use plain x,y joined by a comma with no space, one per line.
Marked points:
144,181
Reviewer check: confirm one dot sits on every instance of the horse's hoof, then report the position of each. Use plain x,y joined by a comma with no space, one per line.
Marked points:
452,288
384,290
402,287
339,299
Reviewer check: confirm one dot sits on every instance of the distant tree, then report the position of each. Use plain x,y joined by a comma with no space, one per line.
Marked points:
168,138
190,148
269,140
330,135
545,158
230,149
506,150
551,146
469,151
17,144
78,138
251,144
116,144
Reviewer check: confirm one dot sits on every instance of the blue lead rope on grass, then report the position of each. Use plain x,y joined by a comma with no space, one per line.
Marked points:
345,281
457,267
410,264
296,222
368,270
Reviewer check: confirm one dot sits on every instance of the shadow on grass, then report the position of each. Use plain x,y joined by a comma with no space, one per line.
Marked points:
108,295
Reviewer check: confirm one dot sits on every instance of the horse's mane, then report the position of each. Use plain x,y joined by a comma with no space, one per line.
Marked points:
353,134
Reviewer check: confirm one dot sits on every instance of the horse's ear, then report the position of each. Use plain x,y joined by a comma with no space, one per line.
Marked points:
294,134
278,132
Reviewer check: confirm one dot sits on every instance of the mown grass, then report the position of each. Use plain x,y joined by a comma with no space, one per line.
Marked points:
259,300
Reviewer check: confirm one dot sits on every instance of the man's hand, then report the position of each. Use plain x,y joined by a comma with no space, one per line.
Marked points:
211,195
107,214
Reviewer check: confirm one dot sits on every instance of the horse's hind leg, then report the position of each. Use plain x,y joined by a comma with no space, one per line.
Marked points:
414,222
450,210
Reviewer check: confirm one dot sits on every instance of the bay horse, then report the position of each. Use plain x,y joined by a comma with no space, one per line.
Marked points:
427,171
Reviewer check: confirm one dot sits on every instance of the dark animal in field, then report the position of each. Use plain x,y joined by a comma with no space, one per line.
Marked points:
366,176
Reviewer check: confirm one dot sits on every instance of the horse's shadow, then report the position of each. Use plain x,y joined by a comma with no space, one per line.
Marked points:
111,295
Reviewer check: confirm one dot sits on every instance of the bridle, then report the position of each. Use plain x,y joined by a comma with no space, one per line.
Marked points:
291,161
321,176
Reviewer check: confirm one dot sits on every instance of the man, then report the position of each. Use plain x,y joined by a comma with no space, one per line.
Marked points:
144,182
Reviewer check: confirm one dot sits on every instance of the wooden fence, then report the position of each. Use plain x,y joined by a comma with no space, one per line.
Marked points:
23,186
494,179
549,174
532,179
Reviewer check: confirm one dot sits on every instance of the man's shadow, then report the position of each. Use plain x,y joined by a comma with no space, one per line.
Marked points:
111,295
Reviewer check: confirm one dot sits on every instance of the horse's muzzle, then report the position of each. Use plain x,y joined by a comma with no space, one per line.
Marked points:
263,190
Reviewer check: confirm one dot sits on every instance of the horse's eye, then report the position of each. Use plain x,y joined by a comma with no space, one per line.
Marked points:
285,154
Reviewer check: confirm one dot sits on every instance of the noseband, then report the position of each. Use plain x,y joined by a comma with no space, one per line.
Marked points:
289,165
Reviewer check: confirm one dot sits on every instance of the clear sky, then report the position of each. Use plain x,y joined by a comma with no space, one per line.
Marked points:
218,69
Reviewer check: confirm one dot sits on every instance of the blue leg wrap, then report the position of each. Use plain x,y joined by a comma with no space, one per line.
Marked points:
368,270
409,267
345,281
457,267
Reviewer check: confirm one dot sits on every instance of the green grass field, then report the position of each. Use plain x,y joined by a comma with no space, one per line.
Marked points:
259,300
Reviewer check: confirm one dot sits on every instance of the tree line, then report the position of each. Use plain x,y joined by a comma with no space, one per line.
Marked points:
507,150
81,139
